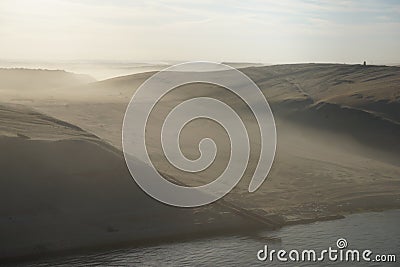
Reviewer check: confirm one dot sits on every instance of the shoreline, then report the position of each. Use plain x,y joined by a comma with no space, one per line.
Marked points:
146,243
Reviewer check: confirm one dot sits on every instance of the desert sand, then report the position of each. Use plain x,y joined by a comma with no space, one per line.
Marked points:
338,152
64,189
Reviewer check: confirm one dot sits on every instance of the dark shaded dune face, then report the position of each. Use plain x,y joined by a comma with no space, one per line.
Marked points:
51,188
67,194
363,128
64,189
388,107
75,175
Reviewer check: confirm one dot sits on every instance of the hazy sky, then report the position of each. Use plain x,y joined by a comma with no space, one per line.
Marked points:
268,31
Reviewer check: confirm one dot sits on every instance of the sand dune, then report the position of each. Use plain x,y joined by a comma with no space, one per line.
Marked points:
328,96
64,189
371,88
37,79
300,96
23,85
338,148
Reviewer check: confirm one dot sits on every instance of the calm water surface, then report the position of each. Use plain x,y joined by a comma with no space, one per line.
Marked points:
377,231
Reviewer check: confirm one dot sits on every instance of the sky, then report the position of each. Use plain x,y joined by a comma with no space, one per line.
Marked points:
266,31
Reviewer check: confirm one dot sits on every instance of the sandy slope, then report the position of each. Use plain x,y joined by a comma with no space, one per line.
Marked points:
63,188
342,141
338,128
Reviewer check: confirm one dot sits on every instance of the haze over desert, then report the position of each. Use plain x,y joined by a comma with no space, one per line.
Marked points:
199,133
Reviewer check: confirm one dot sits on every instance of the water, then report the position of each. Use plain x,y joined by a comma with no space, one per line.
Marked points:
377,231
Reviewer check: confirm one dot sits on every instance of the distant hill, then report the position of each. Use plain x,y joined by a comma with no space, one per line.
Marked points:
243,64
31,79
369,88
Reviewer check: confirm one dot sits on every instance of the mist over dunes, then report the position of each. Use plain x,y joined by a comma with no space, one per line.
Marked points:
338,151
34,79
